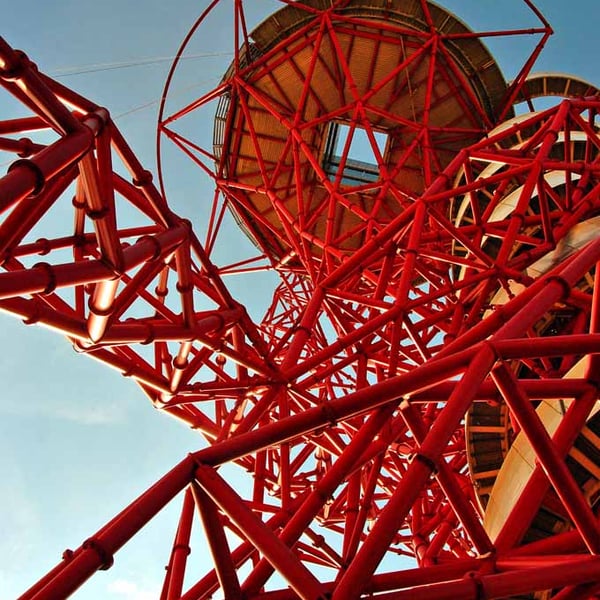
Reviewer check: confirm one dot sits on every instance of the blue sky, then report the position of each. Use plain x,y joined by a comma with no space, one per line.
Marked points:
79,442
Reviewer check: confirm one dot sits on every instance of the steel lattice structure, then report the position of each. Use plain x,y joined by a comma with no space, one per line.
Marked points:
424,383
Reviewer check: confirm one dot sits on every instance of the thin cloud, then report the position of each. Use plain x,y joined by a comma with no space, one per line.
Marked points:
129,590
85,413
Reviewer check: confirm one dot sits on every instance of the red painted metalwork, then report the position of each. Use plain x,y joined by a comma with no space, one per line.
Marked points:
456,268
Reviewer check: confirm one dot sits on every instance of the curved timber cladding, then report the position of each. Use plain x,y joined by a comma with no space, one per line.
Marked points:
361,106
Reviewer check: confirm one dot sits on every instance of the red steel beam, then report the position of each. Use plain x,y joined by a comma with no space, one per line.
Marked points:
549,457
173,583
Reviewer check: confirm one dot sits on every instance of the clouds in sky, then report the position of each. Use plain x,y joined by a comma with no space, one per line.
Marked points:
130,590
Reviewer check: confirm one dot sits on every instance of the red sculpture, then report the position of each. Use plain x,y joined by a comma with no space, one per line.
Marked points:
425,380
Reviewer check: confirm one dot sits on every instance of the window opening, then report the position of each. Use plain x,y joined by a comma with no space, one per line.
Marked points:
361,164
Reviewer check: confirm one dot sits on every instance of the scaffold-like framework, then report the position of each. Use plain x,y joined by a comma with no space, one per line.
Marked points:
417,409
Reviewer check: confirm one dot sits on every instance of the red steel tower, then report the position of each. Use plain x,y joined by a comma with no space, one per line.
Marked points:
417,409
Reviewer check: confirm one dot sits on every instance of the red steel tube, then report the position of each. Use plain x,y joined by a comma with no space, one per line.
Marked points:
324,489
520,581
217,541
461,505
181,549
552,462
383,582
579,592
98,551
44,278
16,68
209,583
28,176
518,521
356,578
359,402
300,579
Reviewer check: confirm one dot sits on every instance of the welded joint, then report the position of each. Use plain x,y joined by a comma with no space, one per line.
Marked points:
143,180
78,204
566,286
27,147
446,177
103,554
491,347
186,223
150,336
405,403
67,555
197,462
34,317
100,312
96,121
184,288
32,167
426,460
517,216
158,249
96,215
79,346
329,414
161,292
18,65
479,588
45,246
182,547
130,371
50,275
307,330
180,363
222,324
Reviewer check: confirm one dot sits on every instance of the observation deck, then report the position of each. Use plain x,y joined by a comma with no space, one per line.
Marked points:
336,120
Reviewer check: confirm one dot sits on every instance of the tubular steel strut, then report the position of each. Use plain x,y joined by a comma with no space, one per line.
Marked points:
437,305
